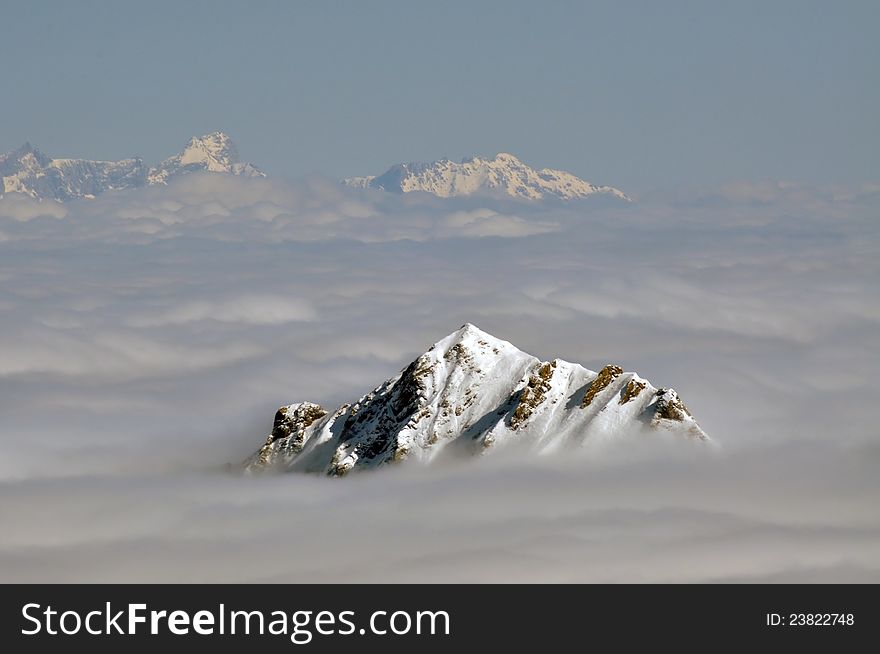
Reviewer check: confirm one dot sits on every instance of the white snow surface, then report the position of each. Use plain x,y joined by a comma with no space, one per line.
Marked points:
505,174
29,171
471,393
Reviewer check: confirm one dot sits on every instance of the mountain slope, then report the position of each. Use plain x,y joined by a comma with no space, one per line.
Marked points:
473,392
504,174
29,171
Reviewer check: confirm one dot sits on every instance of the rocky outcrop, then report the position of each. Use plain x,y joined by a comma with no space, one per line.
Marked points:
607,375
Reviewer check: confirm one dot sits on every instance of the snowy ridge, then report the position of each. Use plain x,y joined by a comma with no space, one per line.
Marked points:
472,392
505,174
27,170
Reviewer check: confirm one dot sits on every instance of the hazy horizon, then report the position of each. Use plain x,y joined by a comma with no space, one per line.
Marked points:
637,95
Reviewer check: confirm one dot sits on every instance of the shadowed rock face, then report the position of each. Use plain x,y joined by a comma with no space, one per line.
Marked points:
670,407
289,429
472,392
292,420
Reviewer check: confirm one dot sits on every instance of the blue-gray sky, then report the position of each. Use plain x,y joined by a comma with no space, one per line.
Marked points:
636,94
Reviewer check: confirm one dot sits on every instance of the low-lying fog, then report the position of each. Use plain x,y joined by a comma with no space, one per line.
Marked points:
147,337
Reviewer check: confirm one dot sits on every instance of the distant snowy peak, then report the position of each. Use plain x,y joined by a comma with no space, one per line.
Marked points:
473,393
214,153
29,171
505,174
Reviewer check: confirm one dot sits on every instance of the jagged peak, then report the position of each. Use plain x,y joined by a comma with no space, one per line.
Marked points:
216,146
214,152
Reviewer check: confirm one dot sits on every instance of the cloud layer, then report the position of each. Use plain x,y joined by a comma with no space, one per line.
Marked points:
147,337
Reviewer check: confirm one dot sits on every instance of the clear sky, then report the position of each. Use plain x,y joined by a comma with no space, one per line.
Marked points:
635,94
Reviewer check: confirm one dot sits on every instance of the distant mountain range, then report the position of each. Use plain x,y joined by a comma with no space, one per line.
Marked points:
27,170
505,175
472,393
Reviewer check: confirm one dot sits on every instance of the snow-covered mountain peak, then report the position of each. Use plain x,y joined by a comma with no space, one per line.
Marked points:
470,334
214,153
473,392
29,171
504,174
215,150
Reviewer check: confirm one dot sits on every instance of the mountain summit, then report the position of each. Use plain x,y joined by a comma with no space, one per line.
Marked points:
504,174
213,153
27,170
473,392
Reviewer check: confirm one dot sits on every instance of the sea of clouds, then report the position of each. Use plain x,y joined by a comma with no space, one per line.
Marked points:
147,337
